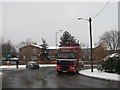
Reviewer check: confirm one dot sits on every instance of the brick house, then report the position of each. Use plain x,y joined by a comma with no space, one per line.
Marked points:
99,52
32,52
29,52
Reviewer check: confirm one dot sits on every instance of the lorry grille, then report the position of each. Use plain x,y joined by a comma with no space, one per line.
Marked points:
65,67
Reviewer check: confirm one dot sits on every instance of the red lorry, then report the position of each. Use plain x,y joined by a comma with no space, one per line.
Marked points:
68,58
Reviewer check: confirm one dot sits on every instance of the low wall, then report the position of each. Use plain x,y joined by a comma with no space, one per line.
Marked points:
25,62
48,62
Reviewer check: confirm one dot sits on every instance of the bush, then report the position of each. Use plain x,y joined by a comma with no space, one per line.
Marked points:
118,65
111,63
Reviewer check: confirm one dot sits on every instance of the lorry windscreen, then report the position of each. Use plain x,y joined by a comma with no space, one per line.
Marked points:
65,55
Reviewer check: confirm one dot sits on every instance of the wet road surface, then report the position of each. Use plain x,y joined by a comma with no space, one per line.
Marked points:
47,77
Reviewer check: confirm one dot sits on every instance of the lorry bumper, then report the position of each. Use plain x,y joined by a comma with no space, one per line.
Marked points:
61,70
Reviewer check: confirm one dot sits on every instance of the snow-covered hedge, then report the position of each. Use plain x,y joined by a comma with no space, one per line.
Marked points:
111,63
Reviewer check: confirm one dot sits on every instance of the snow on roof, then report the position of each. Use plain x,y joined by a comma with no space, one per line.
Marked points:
36,45
49,47
68,47
52,47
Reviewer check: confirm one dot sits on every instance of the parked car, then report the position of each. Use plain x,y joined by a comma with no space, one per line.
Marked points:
52,58
32,65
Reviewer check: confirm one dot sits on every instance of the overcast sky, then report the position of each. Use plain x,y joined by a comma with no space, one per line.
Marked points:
34,20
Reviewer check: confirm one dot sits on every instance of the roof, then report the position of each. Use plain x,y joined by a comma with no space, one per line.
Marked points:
52,47
31,45
36,46
49,47
66,47
89,47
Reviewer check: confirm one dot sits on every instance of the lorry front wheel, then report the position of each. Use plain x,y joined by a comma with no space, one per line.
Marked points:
59,71
77,71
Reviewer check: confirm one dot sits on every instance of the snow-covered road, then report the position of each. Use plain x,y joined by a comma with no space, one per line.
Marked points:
95,73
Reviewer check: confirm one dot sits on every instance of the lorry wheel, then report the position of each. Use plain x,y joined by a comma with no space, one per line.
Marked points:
59,71
77,71
37,67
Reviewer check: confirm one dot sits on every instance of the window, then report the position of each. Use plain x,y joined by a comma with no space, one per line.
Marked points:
52,50
24,57
34,51
24,50
65,55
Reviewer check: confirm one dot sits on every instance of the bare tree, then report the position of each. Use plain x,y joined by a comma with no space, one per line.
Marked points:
8,49
119,41
25,43
110,40
1,51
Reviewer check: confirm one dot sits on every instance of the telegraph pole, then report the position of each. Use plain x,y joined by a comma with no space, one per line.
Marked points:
90,20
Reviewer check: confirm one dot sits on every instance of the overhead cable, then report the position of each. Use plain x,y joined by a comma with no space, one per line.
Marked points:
101,9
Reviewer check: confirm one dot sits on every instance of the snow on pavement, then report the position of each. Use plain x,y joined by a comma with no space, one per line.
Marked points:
100,75
49,65
13,67
24,66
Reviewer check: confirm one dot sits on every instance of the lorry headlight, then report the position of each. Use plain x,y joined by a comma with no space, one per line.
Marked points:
58,66
71,67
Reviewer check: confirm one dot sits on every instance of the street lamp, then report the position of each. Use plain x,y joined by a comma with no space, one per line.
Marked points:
90,26
56,37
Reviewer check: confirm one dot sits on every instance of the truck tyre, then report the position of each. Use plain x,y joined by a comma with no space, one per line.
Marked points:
59,71
37,66
77,71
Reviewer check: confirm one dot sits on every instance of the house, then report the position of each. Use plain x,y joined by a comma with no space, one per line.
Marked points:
99,52
32,52
29,52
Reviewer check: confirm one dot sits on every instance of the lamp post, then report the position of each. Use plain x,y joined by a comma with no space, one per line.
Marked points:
56,37
90,26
